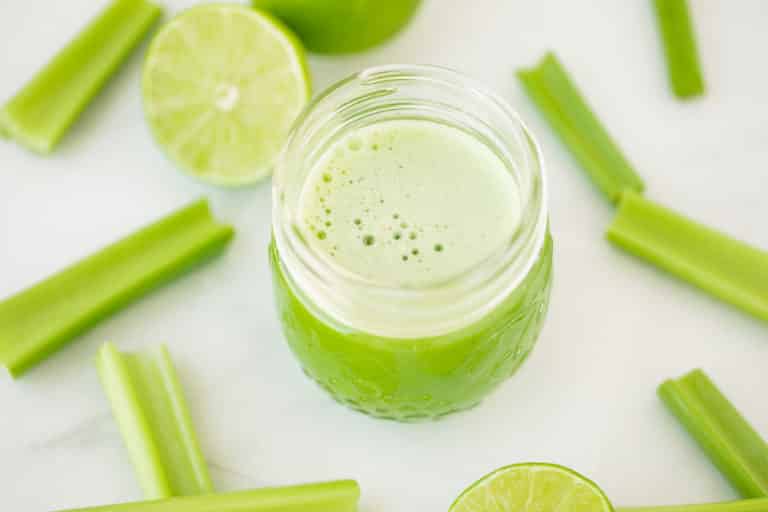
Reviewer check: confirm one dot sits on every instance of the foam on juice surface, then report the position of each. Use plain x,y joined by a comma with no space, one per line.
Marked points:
408,203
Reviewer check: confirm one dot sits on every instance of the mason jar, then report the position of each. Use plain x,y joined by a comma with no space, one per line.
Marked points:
395,341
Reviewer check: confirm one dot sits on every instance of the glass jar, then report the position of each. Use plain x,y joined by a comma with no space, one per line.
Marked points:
421,352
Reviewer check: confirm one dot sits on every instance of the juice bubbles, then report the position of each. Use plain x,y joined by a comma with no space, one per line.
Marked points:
408,203
411,265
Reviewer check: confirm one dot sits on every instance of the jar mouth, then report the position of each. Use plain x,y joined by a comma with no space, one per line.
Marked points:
408,92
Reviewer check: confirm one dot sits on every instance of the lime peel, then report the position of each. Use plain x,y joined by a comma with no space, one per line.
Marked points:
342,26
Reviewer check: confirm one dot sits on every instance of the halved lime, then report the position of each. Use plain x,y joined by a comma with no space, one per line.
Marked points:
222,86
535,487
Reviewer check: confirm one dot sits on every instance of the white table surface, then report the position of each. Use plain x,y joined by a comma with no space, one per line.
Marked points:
616,329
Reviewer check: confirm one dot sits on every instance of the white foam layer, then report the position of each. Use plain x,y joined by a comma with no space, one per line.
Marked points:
408,203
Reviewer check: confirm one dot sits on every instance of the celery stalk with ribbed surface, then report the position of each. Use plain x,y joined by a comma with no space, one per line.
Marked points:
566,110
340,496
731,443
39,115
753,505
676,30
41,319
727,268
149,407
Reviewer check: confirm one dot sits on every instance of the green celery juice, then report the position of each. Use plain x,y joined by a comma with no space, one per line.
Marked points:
408,204
400,301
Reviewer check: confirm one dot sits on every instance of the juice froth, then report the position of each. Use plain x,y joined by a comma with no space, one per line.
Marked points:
408,203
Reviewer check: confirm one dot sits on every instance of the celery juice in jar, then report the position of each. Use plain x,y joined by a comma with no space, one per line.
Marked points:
411,258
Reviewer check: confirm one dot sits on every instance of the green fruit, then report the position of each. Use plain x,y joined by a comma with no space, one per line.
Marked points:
341,26
533,486
222,87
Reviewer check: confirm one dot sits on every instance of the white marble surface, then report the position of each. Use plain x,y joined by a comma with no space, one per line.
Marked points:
616,329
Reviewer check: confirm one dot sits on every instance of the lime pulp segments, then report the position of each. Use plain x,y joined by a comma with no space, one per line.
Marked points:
533,487
222,86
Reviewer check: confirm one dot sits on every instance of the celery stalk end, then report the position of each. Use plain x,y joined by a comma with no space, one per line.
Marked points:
729,269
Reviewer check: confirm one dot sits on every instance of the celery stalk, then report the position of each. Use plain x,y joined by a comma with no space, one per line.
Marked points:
735,448
341,496
729,269
39,320
753,505
566,110
40,114
149,407
682,57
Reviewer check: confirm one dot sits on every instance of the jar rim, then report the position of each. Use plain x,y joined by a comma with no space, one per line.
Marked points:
391,311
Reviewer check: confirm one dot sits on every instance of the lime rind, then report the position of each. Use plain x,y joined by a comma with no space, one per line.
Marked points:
334,27
222,86
533,486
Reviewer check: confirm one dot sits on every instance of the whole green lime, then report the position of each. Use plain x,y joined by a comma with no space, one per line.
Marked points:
341,26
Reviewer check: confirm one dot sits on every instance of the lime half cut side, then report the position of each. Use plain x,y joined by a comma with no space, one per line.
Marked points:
222,85
533,487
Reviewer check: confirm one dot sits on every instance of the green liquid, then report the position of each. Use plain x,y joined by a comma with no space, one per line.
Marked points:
410,204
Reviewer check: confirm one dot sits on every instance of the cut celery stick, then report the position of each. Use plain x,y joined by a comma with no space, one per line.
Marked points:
340,496
677,35
753,505
735,448
550,87
40,114
37,321
149,407
729,269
